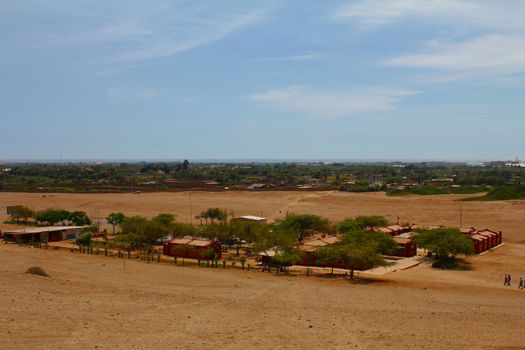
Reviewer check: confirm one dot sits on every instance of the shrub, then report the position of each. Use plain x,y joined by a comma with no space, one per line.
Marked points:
37,270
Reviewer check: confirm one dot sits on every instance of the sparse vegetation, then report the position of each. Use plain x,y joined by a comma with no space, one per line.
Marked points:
502,193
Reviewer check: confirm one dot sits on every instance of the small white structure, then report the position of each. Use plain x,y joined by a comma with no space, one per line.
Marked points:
252,218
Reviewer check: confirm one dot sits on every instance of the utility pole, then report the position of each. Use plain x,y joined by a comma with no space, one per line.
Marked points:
191,210
460,215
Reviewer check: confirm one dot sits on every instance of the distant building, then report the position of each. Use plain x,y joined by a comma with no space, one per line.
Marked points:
515,165
375,180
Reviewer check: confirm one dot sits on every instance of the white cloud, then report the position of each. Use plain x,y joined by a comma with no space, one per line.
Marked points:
332,104
489,36
467,13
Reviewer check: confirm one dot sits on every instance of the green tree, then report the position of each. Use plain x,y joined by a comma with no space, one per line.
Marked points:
115,219
165,223
84,239
280,240
349,225
213,214
140,232
21,213
79,218
371,221
52,216
275,238
384,243
446,244
185,165
132,224
180,229
359,255
330,256
235,232
363,256
304,224
285,258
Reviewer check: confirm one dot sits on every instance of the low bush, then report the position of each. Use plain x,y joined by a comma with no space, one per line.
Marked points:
37,270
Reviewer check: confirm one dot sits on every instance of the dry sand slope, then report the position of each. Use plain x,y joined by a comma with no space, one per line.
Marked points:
94,302
508,216
97,302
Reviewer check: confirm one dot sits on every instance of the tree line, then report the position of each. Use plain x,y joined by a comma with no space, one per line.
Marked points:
23,215
85,177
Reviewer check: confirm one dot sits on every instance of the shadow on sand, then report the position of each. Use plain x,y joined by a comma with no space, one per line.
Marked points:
453,264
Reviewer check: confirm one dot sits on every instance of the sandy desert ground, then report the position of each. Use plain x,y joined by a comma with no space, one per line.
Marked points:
92,302
99,302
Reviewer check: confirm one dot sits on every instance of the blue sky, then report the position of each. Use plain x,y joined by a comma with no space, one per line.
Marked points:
369,79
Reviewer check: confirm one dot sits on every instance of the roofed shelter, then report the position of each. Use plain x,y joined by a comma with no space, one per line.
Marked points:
47,233
194,248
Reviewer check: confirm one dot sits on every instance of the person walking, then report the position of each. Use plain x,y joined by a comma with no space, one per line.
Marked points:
506,280
510,279
521,284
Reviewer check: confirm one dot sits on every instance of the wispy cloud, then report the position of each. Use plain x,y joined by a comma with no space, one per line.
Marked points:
172,39
332,104
502,54
164,29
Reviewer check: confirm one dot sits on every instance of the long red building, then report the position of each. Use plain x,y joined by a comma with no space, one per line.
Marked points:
483,239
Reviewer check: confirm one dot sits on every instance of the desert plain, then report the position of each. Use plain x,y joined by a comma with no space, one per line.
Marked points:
96,302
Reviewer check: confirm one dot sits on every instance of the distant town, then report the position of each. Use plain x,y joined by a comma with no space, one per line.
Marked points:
498,179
